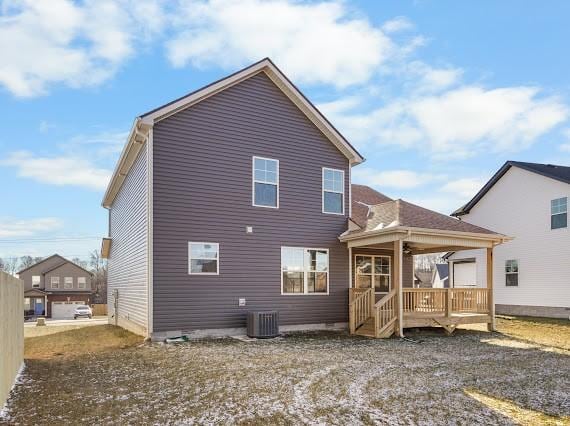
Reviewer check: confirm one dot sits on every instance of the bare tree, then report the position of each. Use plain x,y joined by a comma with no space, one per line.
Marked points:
11,265
98,266
427,262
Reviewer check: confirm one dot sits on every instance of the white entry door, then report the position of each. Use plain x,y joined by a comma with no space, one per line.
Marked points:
64,310
465,274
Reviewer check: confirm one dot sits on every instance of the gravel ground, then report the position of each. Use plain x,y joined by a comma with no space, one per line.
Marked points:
472,377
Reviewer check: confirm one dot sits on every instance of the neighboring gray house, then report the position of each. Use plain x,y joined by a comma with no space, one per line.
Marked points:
54,286
440,276
235,197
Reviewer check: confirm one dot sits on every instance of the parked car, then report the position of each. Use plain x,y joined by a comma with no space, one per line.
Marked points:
82,311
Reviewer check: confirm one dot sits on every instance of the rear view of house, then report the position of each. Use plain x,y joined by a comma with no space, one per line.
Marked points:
238,197
528,201
54,286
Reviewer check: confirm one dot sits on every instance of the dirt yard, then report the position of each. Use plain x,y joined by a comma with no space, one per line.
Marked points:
104,375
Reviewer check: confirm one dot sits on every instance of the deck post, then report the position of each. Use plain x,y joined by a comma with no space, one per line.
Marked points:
491,300
398,249
447,302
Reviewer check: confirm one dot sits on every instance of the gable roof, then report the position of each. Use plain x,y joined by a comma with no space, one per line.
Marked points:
363,197
559,173
140,130
53,267
442,270
400,213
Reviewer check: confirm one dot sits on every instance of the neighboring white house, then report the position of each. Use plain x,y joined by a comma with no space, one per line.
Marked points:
531,273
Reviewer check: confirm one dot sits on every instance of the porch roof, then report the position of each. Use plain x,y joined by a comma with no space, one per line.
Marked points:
424,230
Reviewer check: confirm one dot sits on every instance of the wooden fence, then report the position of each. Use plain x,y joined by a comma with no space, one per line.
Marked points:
99,309
11,332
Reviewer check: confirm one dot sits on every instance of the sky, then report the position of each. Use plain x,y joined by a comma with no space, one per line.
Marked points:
436,94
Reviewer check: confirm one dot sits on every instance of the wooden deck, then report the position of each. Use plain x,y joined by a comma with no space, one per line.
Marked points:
429,307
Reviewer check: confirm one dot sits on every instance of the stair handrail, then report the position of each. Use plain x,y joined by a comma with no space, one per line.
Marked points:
360,308
385,312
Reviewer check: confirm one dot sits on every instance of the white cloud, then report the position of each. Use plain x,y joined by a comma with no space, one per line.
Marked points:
10,228
400,179
62,170
77,44
398,24
441,204
312,42
565,147
430,79
460,122
464,188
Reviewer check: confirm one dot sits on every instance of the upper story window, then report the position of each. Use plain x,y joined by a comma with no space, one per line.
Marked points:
81,282
512,273
559,213
68,282
333,191
304,270
54,282
203,258
35,281
265,182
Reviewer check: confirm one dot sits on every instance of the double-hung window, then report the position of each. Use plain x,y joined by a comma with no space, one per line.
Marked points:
512,273
559,213
54,282
304,270
333,191
81,282
68,282
265,182
372,272
203,258
36,281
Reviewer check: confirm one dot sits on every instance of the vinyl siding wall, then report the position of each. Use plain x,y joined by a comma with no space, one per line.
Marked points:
128,260
202,173
518,205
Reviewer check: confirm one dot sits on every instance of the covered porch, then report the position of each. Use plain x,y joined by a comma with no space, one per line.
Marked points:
382,300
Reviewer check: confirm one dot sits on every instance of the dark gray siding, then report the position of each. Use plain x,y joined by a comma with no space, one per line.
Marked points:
128,266
202,192
49,268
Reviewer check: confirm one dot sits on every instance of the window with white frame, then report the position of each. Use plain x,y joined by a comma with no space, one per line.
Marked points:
27,304
372,272
265,182
512,273
304,270
203,258
68,282
333,191
559,213
36,281
54,282
81,282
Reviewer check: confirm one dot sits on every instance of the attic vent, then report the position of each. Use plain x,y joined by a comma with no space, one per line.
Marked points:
263,325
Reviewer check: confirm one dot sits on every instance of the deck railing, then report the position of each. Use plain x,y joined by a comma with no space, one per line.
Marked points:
360,308
385,313
445,301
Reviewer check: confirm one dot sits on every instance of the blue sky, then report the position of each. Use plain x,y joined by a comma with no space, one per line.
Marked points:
435,94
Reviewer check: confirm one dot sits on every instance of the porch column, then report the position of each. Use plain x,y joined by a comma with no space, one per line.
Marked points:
491,300
398,249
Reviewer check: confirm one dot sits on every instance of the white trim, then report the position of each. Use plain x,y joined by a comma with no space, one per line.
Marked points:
65,287
217,258
350,267
334,192
373,274
253,181
349,190
305,272
39,283
150,234
82,286
51,282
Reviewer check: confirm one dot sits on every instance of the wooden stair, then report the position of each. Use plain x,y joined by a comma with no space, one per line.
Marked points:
367,329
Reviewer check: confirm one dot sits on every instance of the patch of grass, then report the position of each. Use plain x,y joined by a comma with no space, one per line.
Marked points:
78,341
543,331
45,330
